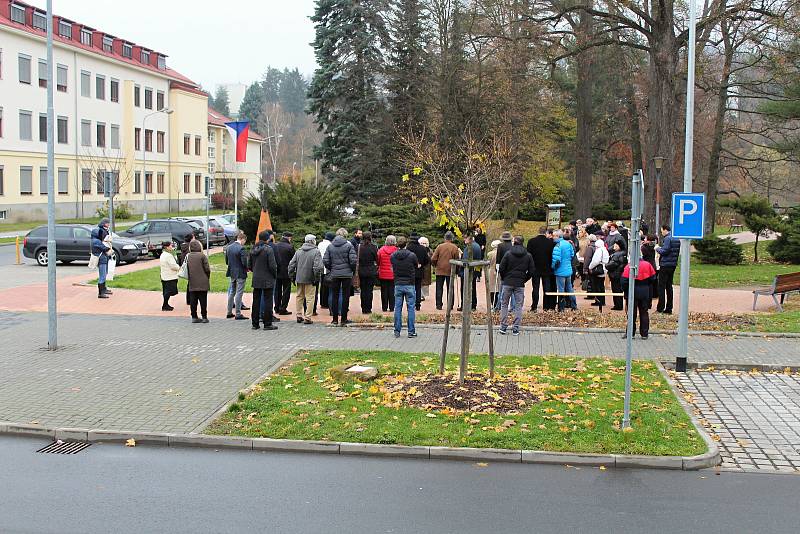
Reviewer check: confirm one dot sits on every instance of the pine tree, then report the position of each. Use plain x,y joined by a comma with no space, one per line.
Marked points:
252,106
409,72
346,99
272,85
221,101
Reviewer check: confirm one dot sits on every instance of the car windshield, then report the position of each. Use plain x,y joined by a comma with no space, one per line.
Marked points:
195,225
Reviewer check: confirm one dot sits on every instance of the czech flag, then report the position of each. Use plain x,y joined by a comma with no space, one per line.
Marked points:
239,131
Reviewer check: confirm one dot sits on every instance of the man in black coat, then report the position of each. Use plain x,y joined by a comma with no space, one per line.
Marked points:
422,261
265,271
515,269
284,251
541,250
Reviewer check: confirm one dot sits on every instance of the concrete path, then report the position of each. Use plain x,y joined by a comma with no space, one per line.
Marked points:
166,374
749,237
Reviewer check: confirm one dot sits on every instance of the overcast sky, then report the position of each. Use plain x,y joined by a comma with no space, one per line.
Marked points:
210,42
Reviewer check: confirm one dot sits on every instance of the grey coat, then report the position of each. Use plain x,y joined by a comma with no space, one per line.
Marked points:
340,258
263,265
306,265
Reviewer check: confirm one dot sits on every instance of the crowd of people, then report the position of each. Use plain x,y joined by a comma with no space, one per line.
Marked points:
327,274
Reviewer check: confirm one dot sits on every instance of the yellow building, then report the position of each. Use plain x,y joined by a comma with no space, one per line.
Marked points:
118,109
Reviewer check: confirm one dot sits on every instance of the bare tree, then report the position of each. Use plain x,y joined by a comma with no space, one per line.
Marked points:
276,123
101,160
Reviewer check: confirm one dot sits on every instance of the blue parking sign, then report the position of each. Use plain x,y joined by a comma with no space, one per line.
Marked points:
688,215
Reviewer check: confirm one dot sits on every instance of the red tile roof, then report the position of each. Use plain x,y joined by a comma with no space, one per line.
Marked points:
218,119
75,42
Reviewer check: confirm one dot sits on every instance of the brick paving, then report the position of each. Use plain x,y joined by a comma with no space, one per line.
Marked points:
756,416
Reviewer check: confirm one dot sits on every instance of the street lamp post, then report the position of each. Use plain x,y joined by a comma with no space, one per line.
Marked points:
659,163
166,111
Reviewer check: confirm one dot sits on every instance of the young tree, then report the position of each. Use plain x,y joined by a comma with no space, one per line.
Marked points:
758,215
221,101
276,123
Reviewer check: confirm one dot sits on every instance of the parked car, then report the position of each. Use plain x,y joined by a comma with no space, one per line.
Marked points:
216,233
230,229
74,243
154,231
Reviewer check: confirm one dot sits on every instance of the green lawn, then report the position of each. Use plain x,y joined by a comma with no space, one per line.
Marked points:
748,274
5,240
150,279
579,408
20,226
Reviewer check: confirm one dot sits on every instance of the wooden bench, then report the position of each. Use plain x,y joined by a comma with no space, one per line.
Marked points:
782,285
736,226
584,294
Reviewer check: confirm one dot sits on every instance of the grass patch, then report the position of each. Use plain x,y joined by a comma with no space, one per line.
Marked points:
748,274
579,410
8,240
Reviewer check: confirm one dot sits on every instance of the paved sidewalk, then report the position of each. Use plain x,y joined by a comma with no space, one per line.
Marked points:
166,374
756,416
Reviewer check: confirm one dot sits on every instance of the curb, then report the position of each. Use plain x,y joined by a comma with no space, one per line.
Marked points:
745,367
686,463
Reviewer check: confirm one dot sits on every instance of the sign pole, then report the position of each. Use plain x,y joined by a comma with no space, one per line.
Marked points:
52,320
683,318
634,248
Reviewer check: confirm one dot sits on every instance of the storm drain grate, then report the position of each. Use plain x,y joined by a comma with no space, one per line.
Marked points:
64,447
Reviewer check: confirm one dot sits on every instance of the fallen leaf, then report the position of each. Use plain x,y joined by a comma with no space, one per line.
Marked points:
130,443
481,464
602,468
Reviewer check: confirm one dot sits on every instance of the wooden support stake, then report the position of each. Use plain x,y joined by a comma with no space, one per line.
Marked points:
489,321
466,317
448,308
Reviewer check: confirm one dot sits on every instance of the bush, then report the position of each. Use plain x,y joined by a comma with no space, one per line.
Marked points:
718,251
397,219
122,211
607,212
221,201
786,248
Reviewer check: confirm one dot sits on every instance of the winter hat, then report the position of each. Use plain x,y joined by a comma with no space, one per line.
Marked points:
592,238
311,238
329,236
104,221
506,236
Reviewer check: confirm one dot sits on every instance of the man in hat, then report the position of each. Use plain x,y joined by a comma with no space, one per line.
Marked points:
305,268
284,251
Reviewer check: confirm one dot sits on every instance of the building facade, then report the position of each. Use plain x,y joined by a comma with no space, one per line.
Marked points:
118,108
232,177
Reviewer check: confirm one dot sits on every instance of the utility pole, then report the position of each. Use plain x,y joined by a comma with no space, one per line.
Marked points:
52,317
634,246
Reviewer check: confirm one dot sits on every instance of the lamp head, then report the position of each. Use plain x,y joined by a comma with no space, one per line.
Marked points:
659,162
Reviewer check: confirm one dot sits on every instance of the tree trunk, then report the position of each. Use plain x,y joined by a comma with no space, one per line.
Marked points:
583,113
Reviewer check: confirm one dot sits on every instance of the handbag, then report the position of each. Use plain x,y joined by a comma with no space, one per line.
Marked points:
599,270
93,261
183,272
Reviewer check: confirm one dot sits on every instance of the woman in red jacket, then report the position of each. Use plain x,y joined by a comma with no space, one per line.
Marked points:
385,273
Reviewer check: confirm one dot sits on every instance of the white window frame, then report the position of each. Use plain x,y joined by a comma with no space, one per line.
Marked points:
113,137
17,13
86,37
39,18
26,169
66,130
86,132
108,43
127,50
59,69
62,171
86,84
29,115
65,29
20,59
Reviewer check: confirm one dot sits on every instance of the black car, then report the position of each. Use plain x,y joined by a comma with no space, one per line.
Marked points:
216,235
74,243
178,229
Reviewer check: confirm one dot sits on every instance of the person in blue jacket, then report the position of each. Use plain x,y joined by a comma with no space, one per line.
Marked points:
668,261
100,249
562,268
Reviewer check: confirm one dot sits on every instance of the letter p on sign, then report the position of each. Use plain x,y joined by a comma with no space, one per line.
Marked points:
688,215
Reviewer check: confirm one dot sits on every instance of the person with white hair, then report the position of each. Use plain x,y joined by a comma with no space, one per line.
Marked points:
385,272
427,277
305,268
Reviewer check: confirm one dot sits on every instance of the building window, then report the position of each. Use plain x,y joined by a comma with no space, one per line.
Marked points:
211,168
162,62
186,183
137,143
42,180
39,21
86,37
148,98
1,122
197,180
61,78
145,57
65,29
100,179
114,136
2,182
137,182
100,87
160,100
212,137
187,143
160,142
148,140
101,135
148,182
25,126
86,84
26,180
61,130
63,180
86,181
137,91
127,50
197,145
42,73
24,69
108,43
18,14
42,127
160,183
212,153
86,133
114,90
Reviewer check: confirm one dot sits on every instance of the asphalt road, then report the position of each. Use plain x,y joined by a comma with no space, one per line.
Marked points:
112,488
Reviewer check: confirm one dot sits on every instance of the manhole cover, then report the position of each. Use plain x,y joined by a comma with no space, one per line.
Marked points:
64,447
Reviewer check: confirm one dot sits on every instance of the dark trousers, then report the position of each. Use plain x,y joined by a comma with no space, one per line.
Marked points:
418,292
548,283
262,313
616,287
597,284
665,276
198,297
340,287
642,308
324,291
387,295
283,290
367,284
441,280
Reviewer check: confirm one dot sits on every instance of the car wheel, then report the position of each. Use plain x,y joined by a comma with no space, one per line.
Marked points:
41,257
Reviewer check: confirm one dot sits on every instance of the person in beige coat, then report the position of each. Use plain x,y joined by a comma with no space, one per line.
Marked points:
199,281
491,274
169,274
